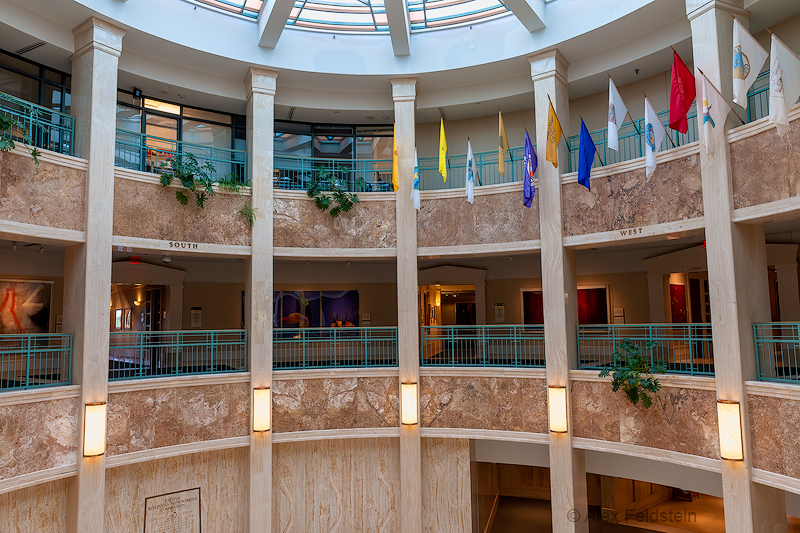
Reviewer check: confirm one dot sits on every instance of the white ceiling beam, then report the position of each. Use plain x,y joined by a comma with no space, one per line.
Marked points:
272,20
399,26
529,12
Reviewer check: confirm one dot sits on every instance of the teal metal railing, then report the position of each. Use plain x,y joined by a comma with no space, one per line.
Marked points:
42,127
33,361
295,173
486,162
147,153
152,354
492,345
778,351
685,348
298,348
758,98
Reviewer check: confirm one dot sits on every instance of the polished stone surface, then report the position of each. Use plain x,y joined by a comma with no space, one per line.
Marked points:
773,434
628,201
446,486
335,403
510,404
41,508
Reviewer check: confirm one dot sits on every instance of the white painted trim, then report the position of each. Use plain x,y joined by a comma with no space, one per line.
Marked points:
334,373
480,372
338,253
777,211
477,250
786,391
22,231
673,230
55,158
328,434
666,380
485,434
155,454
779,481
39,395
284,194
645,452
35,478
118,387
162,246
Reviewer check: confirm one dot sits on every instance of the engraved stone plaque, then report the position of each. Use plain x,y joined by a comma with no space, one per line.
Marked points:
175,512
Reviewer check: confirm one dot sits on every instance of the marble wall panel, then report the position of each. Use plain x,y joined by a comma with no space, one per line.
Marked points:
222,476
681,419
492,218
150,211
765,167
335,403
47,194
627,200
336,486
510,404
38,435
446,488
773,434
298,223
143,420
41,508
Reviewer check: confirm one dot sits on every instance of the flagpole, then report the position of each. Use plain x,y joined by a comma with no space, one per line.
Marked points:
595,146
665,132
720,95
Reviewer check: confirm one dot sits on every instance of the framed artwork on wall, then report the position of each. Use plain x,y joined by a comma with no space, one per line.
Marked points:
126,318
25,306
117,318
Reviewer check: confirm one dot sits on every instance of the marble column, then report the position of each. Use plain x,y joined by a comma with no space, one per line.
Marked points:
737,275
559,293
260,85
87,268
404,93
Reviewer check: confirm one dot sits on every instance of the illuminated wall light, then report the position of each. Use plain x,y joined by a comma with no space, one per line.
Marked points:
557,407
730,430
409,403
262,409
94,429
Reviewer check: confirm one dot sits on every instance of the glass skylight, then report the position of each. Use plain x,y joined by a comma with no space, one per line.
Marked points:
339,15
248,8
438,13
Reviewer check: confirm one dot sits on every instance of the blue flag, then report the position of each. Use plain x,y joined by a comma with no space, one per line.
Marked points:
529,164
585,156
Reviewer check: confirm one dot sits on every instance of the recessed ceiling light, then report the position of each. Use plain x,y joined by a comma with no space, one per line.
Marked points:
336,112
182,95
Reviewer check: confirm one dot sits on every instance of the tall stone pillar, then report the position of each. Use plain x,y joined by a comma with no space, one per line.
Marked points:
87,268
737,275
260,85
559,293
404,93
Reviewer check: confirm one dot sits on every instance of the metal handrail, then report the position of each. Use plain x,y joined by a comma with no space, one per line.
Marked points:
35,360
299,348
778,351
295,173
45,128
483,345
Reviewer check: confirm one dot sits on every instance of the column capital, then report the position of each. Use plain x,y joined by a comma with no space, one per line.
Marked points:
95,33
695,8
404,89
260,81
549,64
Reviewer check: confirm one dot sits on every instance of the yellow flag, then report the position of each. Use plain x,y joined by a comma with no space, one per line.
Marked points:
442,151
395,170
553,135
502,148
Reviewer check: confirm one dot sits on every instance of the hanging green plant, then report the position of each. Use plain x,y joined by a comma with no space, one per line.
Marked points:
12,130
630,372
329,191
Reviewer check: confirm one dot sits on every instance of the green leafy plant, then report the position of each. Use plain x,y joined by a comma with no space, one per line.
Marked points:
329,191
231,183
196,179
630,372
11,129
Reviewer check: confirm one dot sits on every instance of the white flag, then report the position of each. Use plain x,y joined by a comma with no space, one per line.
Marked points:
472,172
616,115
415,188
714,113
653,135
784,84
748,58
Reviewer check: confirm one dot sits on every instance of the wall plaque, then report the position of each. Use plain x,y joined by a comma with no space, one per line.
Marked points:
174,512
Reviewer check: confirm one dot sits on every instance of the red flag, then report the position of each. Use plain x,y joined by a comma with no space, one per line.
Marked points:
681,95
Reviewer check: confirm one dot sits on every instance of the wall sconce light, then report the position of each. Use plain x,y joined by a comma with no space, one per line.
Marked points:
137,303
557,408
409,404
94,429
262,412
730,430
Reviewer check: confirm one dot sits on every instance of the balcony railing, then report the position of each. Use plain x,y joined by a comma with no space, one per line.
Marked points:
295,173
295,348
33,361
685,348
41,127
778,351
484,346
152,354
146,153
486,162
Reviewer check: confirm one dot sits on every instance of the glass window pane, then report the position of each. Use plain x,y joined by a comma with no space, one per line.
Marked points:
374,147
164,128
20,86
129,119
127,98
163,107
53,76
206,115
52,97
20,65
333,147
292,144
206,134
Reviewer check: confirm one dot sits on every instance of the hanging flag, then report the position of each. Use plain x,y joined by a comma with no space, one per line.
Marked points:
553,136
713,114
502,147
616,115
682,94
442,151
748,58
653,135
586,153
395,170
472,173
415,187
784,84
529,162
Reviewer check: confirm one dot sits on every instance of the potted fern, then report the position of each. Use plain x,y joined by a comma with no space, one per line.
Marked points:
329,191
631,373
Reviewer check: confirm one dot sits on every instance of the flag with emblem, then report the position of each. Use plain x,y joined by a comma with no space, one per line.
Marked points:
529,162
653,135
748,58
502,146
713,113
784,84
415,187
553,136
586,151
616,114
472,173
395,170
442,151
